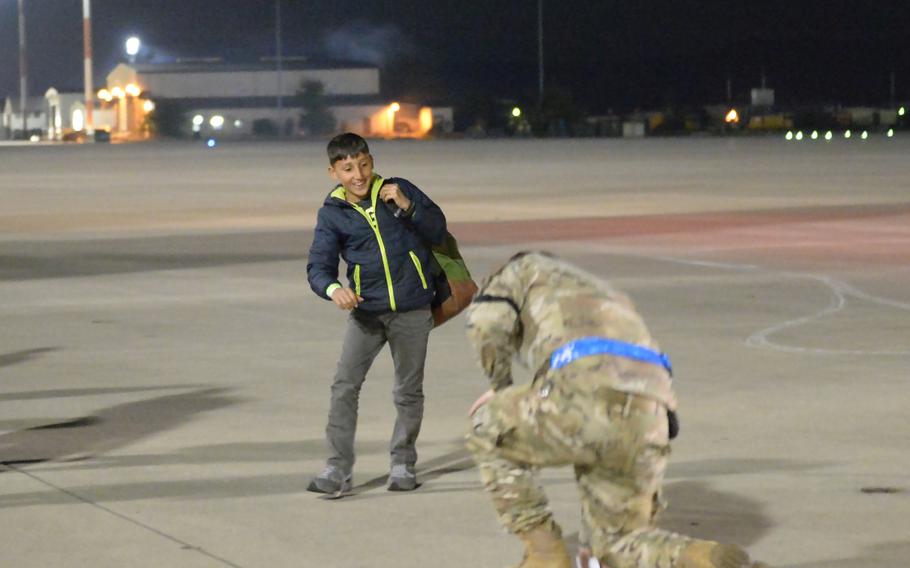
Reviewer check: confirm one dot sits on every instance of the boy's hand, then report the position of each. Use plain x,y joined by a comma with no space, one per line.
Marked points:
391,192
346,299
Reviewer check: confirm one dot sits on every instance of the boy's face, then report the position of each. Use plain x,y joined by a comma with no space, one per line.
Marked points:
354,173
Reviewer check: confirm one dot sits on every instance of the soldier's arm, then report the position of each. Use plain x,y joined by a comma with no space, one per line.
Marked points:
494,330
494,325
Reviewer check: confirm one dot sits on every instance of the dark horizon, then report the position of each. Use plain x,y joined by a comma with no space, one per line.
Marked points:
613,55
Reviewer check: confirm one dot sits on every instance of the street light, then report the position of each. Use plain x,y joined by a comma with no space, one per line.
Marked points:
132,47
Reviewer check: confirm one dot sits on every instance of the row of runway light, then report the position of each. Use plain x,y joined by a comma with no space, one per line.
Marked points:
829,135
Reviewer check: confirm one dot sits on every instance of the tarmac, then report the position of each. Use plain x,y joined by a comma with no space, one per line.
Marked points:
165,369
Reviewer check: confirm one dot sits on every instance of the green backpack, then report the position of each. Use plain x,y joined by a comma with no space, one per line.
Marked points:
454,286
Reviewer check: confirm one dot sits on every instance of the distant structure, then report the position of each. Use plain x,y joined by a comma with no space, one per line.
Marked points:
212,98
56,116
67,118
11,120
762,97
215,98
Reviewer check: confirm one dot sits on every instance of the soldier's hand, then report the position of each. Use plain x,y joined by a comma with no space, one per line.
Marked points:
586,558
483,399
346,299
391,192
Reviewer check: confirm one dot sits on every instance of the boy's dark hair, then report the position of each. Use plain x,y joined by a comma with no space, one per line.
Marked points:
345,146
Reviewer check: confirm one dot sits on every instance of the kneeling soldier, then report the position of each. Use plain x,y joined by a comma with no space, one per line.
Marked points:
601,400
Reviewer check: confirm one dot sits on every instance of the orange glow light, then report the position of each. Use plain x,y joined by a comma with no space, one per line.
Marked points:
732,116
426,120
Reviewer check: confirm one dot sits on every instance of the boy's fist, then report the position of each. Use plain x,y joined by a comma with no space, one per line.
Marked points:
391,192
345,298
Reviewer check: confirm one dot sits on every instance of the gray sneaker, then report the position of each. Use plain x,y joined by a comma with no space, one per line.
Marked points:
331,480
402,478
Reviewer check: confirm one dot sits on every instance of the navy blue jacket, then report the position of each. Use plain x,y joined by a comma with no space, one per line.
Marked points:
388,262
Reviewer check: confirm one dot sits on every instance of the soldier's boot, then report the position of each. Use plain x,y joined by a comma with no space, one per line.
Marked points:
544,547
709,554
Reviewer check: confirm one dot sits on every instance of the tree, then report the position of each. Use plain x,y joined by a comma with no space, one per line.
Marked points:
167,119
265,128
558,113
316,119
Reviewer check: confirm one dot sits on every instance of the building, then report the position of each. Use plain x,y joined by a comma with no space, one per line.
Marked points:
65,113
219,99
11,121
56,116
66,116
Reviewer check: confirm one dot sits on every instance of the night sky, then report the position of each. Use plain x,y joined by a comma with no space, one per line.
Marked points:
607,54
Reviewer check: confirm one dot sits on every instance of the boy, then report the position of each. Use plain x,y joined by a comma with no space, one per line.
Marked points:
381,229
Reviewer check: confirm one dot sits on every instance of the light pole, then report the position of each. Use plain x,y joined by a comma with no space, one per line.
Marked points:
23,73
87,51
540,53
278,66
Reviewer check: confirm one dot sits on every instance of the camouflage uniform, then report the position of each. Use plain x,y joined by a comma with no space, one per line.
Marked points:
606,415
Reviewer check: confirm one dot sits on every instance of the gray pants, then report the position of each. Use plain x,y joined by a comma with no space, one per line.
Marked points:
406,334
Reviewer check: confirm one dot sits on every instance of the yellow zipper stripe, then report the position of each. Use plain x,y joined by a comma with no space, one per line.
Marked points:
374,224
357,279
419,269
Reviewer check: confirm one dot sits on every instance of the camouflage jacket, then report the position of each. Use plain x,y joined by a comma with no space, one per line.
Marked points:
537,303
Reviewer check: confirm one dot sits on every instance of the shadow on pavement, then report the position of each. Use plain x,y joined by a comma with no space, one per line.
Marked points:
63,259
240,452
69,393
699,511
109,429
716,467
16,357
885,554
190,490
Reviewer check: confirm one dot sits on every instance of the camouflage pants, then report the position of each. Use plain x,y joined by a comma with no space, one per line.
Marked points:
617,443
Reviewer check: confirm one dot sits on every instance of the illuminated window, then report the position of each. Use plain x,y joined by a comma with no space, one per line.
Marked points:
78,119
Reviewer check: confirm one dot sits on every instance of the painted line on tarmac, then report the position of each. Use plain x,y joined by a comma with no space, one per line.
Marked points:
183,544
840,293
